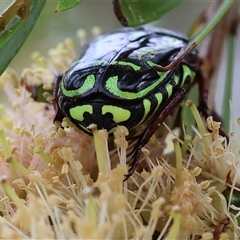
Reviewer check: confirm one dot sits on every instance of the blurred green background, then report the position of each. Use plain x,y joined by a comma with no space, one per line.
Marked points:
52,28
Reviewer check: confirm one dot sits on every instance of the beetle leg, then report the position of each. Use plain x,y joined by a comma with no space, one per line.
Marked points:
59,113
177,59
153,126
203,94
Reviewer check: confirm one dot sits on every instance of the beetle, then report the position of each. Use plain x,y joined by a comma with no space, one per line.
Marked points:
117,81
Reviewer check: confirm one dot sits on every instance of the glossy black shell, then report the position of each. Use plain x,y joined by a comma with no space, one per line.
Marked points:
137,46
125,45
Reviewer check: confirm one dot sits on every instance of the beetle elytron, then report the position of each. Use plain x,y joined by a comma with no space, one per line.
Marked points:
116,82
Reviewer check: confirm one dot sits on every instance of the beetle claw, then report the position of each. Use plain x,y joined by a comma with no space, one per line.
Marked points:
134,163
203,109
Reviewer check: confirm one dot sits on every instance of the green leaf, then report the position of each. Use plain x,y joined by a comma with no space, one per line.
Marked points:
138,12
16,31
64,5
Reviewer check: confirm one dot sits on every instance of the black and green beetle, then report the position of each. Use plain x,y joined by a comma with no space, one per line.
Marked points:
116,81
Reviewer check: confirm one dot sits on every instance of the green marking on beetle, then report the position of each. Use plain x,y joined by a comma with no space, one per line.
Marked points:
87,85
147,108
159,98
112,87
176,80
78,111
129,64
169,89
152,64
187,72
119,114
